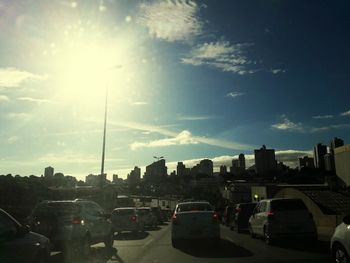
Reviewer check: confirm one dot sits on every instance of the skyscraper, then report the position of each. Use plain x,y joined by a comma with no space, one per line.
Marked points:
320,151
156,169
49,171
265,160
241,159
206,167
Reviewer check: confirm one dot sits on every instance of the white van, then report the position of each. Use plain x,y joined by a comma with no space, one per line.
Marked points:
282,218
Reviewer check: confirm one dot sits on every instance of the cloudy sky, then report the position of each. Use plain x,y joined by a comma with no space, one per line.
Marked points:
186,80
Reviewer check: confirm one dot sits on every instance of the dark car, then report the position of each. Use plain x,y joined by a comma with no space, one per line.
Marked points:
240,216
18,244
157,212
72,225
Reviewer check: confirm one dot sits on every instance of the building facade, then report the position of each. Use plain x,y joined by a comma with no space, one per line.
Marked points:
49,171
342,163
320,151
306,162
265,160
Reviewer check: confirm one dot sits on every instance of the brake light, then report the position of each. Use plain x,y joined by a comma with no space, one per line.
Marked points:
215,217
134,218
175,219
77,221
238,210
270,215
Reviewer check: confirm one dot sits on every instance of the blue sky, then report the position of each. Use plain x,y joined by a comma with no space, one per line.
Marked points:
186,80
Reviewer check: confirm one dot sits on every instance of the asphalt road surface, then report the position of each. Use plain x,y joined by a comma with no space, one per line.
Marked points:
154,246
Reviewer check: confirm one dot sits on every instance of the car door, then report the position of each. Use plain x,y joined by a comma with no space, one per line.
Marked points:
254,219
261,218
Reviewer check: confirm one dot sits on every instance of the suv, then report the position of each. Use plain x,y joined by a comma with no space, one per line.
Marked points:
157,212
72,225
240,216
146,216
277,218
18,244
126,219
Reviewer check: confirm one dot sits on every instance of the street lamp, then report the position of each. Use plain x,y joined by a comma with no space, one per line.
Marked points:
104,130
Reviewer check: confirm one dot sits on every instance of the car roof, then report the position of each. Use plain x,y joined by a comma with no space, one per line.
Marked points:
125,208
144,207
194,202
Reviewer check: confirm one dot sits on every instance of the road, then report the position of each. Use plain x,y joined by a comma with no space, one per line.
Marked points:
154,246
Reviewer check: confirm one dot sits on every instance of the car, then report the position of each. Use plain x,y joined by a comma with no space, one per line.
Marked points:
282,218
226,218
194,220
126,219
146,216
19,244
240,216
72,225
157,212
340,242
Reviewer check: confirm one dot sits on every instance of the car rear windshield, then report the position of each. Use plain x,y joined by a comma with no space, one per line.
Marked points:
143,211
288,204
194,207
59,208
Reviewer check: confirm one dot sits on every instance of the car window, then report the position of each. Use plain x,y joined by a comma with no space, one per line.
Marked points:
6,224
57,208
194,207
263,206
124,211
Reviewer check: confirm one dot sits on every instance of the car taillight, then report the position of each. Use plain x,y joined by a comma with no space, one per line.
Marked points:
215,217
77,221
134,218
175,219
238,210
270,215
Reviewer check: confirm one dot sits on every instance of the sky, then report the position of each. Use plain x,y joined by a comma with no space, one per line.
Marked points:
185,80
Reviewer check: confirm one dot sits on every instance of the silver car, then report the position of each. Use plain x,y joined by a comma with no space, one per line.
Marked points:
194,220
340,242
126,219
282,218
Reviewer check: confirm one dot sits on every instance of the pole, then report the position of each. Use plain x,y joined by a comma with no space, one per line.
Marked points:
104,140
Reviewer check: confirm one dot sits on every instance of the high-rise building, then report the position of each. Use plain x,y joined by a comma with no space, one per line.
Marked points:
306,162
156,169
223,169
135,175
342,163
265,160
96,180
241,163
115,178
180,169
335,143
320,151
49,171
206,167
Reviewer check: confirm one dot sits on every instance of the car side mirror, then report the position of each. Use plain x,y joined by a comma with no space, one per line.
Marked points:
346,220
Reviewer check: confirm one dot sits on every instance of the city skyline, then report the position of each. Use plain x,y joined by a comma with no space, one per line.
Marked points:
205,82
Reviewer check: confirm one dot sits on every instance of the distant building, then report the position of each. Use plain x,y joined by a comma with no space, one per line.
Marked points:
241,163
335,143
306,162
173,173
320,151
49,171
115,178
194,171
329,157
135,174
181,170
96,180
156,169
206,167
265,160
342,163
223,169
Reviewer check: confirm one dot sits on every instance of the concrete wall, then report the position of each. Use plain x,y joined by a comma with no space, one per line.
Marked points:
325,223
342,163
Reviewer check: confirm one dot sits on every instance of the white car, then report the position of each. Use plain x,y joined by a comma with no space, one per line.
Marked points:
340,242
194,220
282,218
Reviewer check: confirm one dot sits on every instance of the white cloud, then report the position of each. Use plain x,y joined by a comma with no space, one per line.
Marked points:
346,113
221,55
194,118
183,138
277,70
330,127
4,98
171,20
12,77
234,94
12,139
139,103
73,158
318,117
287,125
19,115
34,100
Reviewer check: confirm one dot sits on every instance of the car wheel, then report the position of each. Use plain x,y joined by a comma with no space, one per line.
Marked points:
175,243
339,254
252,234
267,237
109,240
